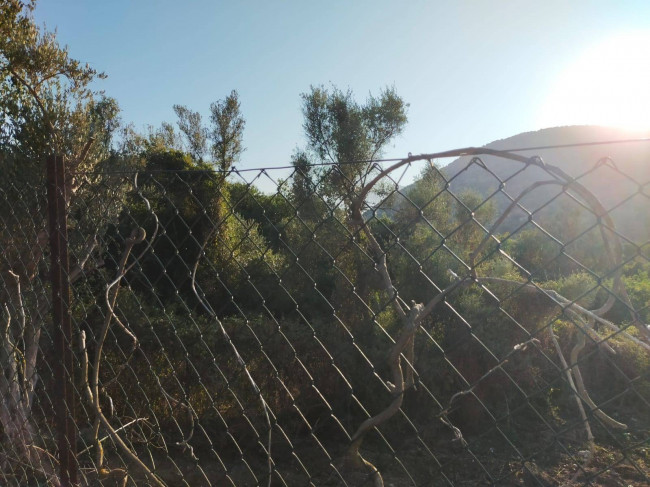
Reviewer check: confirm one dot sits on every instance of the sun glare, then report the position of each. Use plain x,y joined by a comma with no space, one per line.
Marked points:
608,85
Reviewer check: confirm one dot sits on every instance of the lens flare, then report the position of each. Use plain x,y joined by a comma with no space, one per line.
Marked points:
608,85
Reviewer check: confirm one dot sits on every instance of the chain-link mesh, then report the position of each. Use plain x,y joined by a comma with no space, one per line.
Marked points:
335,327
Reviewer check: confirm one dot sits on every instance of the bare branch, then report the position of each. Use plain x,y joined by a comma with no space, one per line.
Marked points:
568,305
582,391
137,236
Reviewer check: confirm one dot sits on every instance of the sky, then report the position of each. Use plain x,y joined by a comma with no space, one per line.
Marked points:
472,71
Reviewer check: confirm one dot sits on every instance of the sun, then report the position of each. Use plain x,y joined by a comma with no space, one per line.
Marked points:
607,85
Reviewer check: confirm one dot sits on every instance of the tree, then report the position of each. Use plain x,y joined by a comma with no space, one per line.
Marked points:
304,188
223,139
268,211
226,133
347,136
44,93
190,124
46,107
341,131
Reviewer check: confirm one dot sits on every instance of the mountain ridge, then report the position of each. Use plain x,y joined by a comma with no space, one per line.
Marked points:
617,173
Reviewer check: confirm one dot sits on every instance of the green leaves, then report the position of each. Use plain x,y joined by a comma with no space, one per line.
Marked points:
33,59
46,102
227,131
341,131
190,124
385,118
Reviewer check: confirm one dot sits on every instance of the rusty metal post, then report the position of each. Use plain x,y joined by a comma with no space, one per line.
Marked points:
62,333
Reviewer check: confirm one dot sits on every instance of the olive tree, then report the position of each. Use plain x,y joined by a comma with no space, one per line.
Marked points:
47,107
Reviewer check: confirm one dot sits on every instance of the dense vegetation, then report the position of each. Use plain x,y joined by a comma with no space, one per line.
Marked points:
291,285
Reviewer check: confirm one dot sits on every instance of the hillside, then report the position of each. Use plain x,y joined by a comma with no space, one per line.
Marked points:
622,184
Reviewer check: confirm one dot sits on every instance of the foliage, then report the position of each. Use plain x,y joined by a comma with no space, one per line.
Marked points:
45,96
581,287
637,282
341,131
189,122
227,130
268,211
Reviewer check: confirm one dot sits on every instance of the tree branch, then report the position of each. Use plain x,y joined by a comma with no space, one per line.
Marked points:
137,236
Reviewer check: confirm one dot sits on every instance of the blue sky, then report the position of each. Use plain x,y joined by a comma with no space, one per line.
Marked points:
472,71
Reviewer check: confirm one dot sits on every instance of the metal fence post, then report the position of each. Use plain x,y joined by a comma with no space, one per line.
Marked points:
62,333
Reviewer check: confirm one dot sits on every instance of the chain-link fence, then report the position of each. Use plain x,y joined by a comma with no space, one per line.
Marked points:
486,326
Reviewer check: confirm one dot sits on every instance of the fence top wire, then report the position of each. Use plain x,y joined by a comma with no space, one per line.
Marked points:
475,151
